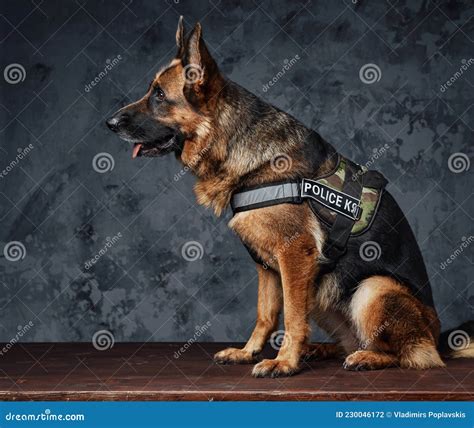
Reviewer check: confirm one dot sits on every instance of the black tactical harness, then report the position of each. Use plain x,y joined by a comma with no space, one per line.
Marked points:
338,207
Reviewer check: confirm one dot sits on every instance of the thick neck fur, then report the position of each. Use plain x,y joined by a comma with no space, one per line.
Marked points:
251,142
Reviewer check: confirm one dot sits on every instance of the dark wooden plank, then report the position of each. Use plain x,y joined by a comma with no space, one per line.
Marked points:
152,371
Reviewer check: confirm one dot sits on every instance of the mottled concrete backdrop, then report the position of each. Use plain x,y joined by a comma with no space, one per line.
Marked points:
370,76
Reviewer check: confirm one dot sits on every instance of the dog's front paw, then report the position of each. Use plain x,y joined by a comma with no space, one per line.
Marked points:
234,356
274,368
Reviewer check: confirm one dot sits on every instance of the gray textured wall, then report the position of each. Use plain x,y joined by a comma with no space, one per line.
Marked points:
62,211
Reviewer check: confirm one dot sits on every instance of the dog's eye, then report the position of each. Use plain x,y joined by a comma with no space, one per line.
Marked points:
159,94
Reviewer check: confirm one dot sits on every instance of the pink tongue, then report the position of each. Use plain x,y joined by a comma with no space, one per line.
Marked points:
136,149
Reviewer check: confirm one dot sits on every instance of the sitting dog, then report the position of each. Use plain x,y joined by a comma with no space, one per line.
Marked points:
306,224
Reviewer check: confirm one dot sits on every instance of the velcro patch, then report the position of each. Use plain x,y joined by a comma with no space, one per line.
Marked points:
335,200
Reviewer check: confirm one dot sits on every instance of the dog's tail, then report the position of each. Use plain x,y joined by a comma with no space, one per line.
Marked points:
458,342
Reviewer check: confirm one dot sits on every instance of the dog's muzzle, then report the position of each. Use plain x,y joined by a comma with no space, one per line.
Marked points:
118,121
149,138
112,123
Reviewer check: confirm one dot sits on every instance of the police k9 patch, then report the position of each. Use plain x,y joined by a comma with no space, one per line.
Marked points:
333,199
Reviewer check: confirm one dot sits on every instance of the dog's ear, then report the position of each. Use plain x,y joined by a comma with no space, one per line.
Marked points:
180,37
200,67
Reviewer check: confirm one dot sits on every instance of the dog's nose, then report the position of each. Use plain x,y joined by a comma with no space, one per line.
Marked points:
112,123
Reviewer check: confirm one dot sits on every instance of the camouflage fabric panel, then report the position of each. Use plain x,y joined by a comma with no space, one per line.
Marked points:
369,200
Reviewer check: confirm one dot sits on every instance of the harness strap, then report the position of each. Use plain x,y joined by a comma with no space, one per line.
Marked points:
336,242
267,195
345,203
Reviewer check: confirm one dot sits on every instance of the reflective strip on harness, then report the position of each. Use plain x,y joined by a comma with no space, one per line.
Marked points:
294,192
265,196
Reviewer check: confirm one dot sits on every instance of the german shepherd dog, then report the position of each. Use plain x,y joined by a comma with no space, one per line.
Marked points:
229,137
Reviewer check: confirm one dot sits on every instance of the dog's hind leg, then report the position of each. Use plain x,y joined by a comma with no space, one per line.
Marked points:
369,360
268,310
393,327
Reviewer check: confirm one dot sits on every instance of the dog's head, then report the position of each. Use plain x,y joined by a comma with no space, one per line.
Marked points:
176,106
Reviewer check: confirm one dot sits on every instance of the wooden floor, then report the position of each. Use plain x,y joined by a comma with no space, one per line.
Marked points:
154,372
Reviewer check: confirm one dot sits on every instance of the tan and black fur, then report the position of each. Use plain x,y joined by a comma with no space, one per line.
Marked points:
379,315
